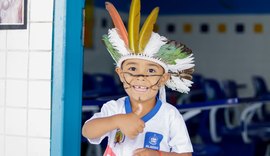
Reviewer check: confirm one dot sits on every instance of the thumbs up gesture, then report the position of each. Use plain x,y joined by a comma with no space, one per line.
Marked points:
138,110
131,124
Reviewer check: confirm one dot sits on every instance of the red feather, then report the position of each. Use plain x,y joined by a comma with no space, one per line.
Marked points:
117,21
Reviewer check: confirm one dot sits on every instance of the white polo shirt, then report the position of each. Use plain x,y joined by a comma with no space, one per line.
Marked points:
164,130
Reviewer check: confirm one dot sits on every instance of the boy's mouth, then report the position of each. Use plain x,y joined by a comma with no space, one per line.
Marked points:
140,88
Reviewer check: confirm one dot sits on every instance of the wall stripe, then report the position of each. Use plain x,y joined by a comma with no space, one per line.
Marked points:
67,78
58,52
195,6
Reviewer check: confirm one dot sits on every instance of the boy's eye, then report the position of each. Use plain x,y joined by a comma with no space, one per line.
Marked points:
132,68
151,70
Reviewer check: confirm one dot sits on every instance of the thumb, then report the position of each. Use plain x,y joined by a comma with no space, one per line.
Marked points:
138,110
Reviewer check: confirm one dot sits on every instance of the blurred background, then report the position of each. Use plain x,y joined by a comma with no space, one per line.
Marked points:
230,41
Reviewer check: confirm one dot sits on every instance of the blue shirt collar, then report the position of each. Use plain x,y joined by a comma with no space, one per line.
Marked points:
149,115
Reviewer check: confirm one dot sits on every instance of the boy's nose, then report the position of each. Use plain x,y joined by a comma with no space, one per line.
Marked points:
141,77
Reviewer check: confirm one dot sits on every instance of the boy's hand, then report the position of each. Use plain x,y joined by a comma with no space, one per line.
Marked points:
145,152
131,124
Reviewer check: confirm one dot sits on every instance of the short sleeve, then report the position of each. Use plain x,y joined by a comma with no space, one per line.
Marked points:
108,109
179,138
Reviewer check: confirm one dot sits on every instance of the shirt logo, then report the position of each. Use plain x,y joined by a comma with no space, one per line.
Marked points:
119,137
152,140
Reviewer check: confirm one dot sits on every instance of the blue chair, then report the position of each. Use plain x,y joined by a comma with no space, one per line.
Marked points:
230,88
261,92
197,92
221,135
87,82
213,90
260,86
197,125
206,150
198,81
261,117
246,135
97,85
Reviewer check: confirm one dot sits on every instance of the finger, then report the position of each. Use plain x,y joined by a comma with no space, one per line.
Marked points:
136,133
142,123
139,109
140,129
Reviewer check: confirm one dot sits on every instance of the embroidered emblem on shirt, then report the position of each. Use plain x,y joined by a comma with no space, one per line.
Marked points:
152,140
119,137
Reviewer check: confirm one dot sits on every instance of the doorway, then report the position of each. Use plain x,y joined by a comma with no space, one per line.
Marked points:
66,78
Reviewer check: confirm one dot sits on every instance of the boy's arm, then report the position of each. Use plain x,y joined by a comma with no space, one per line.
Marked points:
129,124
97,127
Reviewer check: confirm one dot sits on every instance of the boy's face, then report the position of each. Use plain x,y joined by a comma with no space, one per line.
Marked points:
142,79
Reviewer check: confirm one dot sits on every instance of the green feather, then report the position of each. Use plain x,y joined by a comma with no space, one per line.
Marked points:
113,52
168,53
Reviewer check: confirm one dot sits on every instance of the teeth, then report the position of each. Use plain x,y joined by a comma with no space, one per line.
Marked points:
140,87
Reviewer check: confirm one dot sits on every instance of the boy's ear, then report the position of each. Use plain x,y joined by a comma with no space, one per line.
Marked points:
165,78
119,71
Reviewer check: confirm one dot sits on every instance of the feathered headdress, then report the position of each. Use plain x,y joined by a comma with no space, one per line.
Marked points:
145,44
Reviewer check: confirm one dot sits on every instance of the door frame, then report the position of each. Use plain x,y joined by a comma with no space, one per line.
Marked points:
67,70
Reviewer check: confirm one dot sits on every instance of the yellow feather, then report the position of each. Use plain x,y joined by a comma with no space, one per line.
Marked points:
134,25
147,29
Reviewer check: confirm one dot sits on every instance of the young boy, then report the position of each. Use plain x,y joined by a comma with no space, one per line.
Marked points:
143,124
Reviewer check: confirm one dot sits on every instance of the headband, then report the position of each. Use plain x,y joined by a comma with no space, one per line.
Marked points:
174,57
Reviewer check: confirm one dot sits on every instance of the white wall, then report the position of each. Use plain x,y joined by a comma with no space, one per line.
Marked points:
25,84
222,56
229,55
